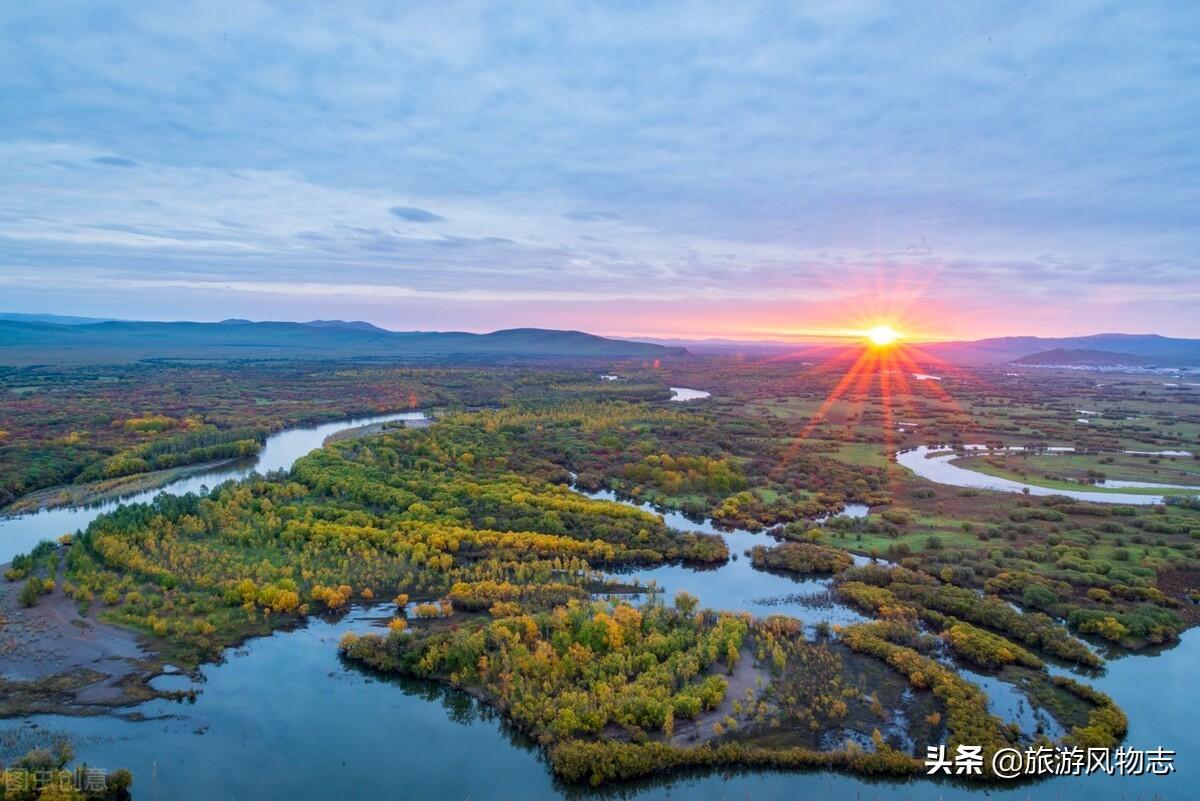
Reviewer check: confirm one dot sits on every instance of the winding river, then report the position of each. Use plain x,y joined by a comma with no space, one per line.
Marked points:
21,532
283,718
936,464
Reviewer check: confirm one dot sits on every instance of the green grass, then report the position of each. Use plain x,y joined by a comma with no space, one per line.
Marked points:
861,453
1037,479
917,540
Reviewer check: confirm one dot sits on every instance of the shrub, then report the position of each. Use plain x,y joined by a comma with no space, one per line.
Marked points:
801,557
1038,597
32,590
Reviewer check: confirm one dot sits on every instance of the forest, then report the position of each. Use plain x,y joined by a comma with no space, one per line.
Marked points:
501,579
80,424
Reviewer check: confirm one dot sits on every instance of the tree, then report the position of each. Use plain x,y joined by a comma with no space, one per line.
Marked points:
686,603
31,591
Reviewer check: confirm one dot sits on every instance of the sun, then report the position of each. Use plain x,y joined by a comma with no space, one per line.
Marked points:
882,335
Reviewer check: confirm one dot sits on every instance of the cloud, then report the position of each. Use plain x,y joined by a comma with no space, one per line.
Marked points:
413,214
592,216
1001,160
115,161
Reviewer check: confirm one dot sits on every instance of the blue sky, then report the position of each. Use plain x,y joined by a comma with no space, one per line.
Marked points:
732,169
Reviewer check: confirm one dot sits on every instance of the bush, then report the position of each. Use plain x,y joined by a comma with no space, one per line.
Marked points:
986,649
800,557
1039,597
32,590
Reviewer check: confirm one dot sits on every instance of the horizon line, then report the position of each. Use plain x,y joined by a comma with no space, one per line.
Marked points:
812,338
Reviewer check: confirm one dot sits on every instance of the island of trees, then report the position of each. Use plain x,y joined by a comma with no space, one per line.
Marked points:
506,583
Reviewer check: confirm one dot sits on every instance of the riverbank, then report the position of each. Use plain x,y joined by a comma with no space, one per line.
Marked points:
374,428
55,660
744,686
979,464
112,489
939,465
19,533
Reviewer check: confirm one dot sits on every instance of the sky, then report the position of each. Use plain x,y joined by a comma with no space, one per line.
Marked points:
737,170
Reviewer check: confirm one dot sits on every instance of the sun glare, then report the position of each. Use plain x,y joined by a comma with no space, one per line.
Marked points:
882,335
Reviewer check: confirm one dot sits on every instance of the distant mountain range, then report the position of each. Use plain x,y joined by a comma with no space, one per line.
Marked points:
1135,350
48,338
57,319
1076,357
41,339
1131,349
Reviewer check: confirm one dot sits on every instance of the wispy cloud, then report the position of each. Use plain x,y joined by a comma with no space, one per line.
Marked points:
413,214
762,153
115,161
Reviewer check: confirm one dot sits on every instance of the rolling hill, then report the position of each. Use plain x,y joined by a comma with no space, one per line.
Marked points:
1151,348
1133,349
1081,358
30,341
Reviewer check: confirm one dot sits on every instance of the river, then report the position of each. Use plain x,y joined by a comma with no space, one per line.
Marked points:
283,718
681,394
21,532
941,470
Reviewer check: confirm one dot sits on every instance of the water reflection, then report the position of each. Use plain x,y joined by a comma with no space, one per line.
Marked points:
736,585
283,718
685,394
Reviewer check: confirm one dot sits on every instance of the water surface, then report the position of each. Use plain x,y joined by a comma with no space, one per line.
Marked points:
19,533
283,718
940,469
685,394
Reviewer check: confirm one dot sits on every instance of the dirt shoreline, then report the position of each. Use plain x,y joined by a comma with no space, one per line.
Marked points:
748,678
374,428
55,661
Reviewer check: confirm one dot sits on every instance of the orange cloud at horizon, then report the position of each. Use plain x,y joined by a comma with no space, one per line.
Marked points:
840,306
